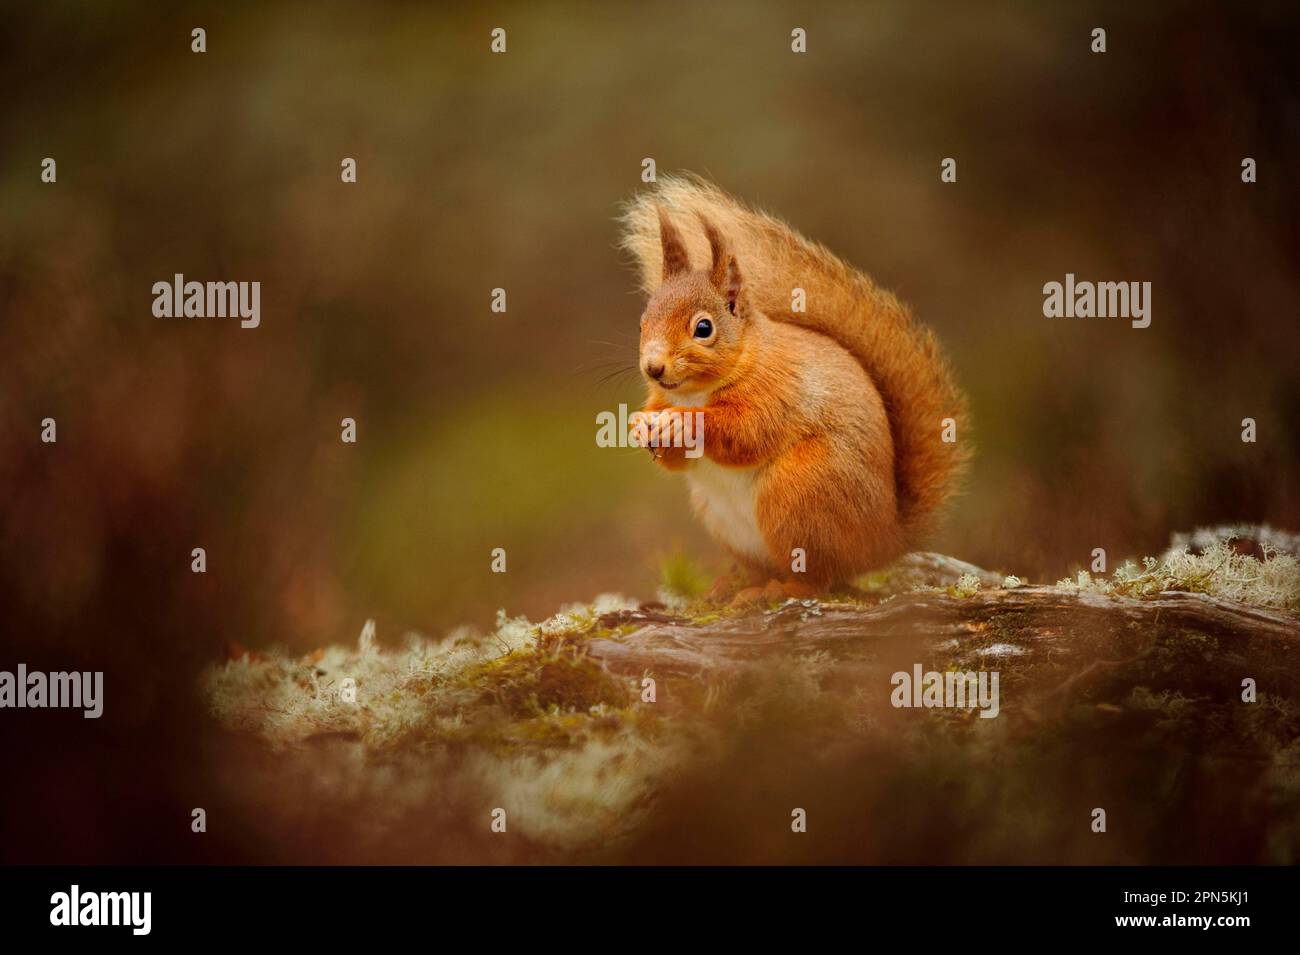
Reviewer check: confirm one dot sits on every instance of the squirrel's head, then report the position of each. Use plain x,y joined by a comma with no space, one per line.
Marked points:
693,327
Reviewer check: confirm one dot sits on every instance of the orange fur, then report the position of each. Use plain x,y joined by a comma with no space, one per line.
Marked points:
822,428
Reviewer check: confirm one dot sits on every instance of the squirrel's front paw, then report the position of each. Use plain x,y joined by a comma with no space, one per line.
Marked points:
655,430
663,434
639,428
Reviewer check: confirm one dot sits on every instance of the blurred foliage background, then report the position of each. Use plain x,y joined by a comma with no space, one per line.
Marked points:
476,430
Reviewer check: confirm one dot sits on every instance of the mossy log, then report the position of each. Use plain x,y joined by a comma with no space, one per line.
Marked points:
1026,620
1178,713
1046,641
619,731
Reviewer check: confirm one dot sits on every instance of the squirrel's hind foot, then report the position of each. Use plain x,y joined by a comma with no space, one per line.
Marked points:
774,591
739,578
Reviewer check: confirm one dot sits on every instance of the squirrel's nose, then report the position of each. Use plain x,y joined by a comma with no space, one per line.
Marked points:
654,369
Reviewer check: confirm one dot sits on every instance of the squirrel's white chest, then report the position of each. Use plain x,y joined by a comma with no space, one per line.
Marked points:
726,500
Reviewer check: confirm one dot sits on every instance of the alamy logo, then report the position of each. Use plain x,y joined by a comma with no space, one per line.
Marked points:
950,689
652,429
1098,300
103,908
181,299
36,690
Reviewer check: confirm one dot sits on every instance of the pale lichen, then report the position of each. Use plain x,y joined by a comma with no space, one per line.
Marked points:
1218,570
520,709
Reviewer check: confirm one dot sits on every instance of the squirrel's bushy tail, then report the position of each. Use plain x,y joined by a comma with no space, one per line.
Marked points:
902,358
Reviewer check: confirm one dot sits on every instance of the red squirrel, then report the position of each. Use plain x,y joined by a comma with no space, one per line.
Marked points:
824,451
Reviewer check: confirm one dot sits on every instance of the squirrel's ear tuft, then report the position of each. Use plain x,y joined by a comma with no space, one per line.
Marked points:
734,288
718,246
725,270
675,259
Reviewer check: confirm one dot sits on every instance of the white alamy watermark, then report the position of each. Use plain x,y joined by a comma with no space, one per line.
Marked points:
651,429
953,689
75,907
181,299
36,690
1071,299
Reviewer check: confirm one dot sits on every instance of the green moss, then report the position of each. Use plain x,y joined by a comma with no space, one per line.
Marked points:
574,729
876,582
559,679
561,730
680,575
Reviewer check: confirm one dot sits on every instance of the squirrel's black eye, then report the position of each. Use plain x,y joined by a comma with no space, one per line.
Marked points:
703,328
